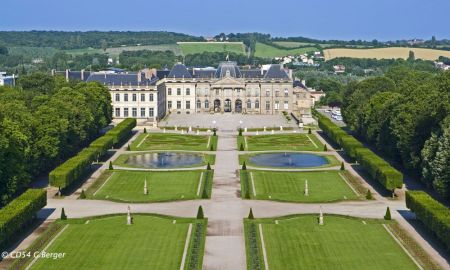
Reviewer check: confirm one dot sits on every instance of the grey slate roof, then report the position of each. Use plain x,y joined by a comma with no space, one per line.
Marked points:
228,66
179,71
121,79
276,72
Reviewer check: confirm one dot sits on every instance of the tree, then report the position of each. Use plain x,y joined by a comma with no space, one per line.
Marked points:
369,195
411,56
250,214
387,216
82,195
200,214
63,214
3,49
104,45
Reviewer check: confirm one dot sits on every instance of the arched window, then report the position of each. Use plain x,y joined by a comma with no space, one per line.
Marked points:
257,104
286,92
199,104
249,104
206,104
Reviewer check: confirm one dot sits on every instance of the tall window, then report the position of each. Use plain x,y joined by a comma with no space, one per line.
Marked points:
188,104
134,97
277,93
206,104
188,91
117,97
286,92
277,105
151,112
125,112
267,105
150,98
267,93
217,92
169,104
178,104
117,112
257,104
134,112
199,104
249,104
125,97
286,105
142,112
179,91
142,97
169,91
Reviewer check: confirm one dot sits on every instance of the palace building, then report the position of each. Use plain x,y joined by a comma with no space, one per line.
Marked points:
151,94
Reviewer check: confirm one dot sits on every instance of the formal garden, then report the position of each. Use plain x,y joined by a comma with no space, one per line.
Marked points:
330,242
172,141
293,142
151,186
111,242
302,187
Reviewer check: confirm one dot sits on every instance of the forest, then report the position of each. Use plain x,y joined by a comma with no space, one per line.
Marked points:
44,121
405,114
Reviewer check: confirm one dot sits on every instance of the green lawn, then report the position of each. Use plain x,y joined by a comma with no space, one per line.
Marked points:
267,51
292,142
324,186
122,159
200,47
152,242
298,242
128,186
166,141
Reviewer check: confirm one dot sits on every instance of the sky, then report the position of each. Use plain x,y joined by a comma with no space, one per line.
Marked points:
324,19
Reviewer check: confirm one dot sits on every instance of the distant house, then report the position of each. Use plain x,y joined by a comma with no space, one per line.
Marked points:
339,69
7,80
442,65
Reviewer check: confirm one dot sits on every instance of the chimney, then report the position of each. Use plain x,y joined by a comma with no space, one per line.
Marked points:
139,77
82,74
290,74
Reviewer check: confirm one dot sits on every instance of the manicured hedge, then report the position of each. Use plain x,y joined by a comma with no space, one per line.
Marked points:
122,131
20,212
377,167
102,144
75,168
434,215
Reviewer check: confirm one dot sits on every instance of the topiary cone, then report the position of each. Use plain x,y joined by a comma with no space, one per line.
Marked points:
250,214
63,214
342,166
200,214
387,216
244,167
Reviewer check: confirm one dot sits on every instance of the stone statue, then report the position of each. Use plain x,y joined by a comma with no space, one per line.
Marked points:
306,192
145,187
320,216
129,218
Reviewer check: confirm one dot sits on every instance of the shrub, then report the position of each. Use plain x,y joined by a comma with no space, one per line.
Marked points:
369,195
145,130
102,145
244,167
342,166
82,195
110,166
250,214
128,148
325,147
241,148
19,213
387,216
122,131
208,167
309,130
63,214
434,215
200,214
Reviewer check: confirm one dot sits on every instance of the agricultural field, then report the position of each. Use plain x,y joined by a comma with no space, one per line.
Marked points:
151,242
200,47
386,53
128,186
266,51
292,142
299,242
294,44
167,141
323,186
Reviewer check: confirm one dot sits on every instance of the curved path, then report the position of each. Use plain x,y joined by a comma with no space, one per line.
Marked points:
225,246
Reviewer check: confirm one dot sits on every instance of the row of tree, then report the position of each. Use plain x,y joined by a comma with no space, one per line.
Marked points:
406,115
44,121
